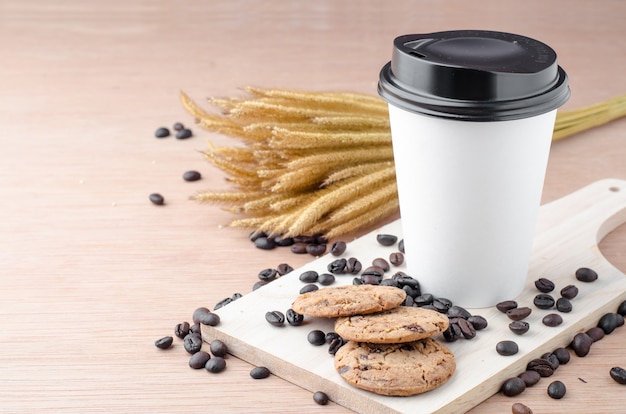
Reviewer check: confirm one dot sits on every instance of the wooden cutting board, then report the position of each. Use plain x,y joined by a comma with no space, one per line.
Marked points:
567,236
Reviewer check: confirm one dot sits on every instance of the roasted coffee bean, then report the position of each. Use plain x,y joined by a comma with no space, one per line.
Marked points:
184,133
284,269
569,292
478,322
587,275
353,266
294,318
506,305
316,337
337,266
519,408
410,292
309,276
404,279
330,336
326,279
316,249
507,348
298,248
371,279
259,284
192,342
390,282
519,327
621,309
215,365
552,320
373,271
618,374
357,281
199,359
513,386
543,301
381,264
581,344
562,355
304,239
396,258
208,318
544,285
458,312
442,304
164,343
199,314
156,199
256,234
218,348
386,239
518,314
195,328
563,305
309,288
268,274
192,175
552,359
222,303
334,345
338,248
620,320
424,299
181,329
275,318
177,126
596,333
543,367
260,372
467,329
556,390
530,378
608,323
320,398
162,132
283,241
401,246
265,243
452,333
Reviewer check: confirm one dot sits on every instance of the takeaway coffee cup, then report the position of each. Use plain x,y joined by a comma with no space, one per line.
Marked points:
472,114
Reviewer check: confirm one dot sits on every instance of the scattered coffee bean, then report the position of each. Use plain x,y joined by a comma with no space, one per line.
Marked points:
334,345
452,333
162,132
331,336
396,258
316,249
563,305
199,359
284,269
199,314
544,301
275,318
256,234
164,342
556,390
458,312
442,304
506,305
177,126
467,329
181,329
264,243
517,314
283,241
320,398
552,359
195,328
316,337
337,266
191,176
218,348
259,284
530,378
156,199
519,327
620,320
608,323
586,275
401,246
222,303
519,408
513,386
552,320
381,264
309,288
543,367
569,292
562,355
207,318
259,372
192,342
184,133
581,344
338,248
621,309
507,348
596,333
268,275
386,239
326,279
215,365
478,322
294,318
424,299
353,266
309,276
618,374
544,285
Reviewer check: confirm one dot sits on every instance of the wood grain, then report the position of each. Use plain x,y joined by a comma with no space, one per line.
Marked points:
92,274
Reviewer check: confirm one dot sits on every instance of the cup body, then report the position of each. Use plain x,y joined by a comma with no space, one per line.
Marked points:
469,196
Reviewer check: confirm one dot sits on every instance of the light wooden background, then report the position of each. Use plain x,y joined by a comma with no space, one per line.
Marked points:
92,273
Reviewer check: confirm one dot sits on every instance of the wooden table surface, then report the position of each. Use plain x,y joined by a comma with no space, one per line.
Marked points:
93,273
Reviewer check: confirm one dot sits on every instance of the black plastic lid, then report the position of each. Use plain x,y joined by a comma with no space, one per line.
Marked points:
473,75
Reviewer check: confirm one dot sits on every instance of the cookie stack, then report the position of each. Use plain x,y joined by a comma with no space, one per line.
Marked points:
389,349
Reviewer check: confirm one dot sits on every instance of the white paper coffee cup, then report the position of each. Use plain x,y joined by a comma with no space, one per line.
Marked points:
472,115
